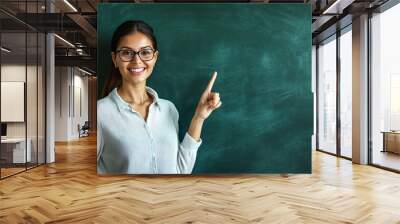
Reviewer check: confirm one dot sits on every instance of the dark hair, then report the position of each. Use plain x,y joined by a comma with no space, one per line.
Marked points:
126,28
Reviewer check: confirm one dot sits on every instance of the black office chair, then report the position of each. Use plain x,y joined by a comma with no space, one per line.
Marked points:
84,130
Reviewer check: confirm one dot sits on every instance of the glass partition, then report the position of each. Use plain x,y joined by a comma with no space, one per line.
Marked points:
22,79
14,154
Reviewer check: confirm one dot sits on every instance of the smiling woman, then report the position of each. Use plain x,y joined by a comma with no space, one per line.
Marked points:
137,130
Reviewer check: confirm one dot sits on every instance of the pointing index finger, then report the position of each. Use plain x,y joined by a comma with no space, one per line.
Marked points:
211,83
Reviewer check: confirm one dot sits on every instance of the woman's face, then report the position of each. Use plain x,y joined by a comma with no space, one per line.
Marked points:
137,70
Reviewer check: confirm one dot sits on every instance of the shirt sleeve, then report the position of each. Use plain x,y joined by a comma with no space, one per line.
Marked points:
187,154
100,143
100,147
187,151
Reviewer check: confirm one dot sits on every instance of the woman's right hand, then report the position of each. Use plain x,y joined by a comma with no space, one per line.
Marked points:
209,101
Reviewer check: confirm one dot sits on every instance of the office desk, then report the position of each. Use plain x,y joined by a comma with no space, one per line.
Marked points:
13,150
391,141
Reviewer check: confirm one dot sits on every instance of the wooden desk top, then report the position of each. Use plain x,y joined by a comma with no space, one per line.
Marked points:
13,140
391,132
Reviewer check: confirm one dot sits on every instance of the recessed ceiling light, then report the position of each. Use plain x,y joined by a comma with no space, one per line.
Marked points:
5,50
84,71
337,7
64,40
70,5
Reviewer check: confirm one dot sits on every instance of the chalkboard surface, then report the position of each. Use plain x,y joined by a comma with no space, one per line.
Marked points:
262,53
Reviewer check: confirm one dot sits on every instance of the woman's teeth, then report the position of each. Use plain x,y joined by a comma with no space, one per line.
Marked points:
136,69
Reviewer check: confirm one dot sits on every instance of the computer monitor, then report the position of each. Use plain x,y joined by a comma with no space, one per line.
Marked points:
3,129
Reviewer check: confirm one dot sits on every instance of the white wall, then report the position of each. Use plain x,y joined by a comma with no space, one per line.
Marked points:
15,72
61,103
70,83
34,125
80,84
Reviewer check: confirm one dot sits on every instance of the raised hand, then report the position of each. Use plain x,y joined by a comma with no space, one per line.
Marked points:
209,101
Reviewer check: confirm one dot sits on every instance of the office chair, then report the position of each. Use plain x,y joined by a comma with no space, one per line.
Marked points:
84,130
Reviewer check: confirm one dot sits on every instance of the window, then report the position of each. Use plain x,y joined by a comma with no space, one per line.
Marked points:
327,95
385,88
346,92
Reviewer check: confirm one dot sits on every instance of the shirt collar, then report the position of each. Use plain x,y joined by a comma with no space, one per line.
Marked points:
122,104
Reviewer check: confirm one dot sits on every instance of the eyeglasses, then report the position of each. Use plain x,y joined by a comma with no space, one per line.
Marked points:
127,55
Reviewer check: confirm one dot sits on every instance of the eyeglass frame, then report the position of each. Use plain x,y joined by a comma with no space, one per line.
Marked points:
136,53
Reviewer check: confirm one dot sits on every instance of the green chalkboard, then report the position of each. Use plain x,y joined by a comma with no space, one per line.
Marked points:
262,53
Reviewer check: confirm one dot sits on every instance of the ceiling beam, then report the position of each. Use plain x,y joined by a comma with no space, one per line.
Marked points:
86,27
82,61
337,7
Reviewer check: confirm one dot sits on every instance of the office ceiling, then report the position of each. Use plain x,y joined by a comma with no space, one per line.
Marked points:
76,21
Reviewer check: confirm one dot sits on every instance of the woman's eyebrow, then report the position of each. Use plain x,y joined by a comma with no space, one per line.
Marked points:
124,47
146,47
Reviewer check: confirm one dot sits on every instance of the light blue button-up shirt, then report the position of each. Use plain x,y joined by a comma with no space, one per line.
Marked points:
127,144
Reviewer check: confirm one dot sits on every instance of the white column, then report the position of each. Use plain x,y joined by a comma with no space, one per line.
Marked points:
360,90
50,93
